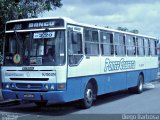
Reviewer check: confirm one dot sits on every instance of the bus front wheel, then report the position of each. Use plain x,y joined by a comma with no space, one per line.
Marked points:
87,101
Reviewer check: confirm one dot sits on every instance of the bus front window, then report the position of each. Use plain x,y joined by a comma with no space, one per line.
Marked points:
16,48
35,48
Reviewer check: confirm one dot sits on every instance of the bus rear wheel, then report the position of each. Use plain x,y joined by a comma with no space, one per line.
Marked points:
89,94
139,88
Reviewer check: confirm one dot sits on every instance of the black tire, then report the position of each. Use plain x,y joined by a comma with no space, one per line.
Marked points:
139,88
89,95
41,103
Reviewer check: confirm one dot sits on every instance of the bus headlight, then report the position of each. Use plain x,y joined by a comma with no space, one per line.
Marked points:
49,86
7,86
52,87
46,86
12,85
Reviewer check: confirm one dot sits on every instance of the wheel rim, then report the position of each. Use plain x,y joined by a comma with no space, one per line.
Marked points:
89,96
141,83
140,86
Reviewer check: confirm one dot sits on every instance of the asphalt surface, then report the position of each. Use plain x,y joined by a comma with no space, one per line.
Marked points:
113,105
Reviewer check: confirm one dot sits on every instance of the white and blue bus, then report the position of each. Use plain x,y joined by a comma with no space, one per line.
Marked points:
59,60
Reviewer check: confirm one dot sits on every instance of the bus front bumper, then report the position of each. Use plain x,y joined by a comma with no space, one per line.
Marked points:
50,96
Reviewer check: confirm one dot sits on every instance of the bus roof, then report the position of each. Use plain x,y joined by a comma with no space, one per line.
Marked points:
70,21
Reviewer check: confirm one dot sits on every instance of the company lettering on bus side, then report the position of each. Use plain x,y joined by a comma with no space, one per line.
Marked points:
119,65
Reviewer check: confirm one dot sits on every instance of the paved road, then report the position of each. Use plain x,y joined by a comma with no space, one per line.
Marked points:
116,103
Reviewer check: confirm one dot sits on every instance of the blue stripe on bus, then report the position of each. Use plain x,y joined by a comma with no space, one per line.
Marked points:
109,82
75,86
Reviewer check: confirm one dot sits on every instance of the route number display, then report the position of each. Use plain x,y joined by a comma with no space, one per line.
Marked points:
39,35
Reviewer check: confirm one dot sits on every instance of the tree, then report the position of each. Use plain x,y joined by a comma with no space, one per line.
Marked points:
122,29
18,9
126,30
31,8
134,31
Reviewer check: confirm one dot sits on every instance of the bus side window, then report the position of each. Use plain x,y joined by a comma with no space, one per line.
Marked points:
146,46
153,47
119,42
107,44
77,43
140,46
91,42
130,45
75,52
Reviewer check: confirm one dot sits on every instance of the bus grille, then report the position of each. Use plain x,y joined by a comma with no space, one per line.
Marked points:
30,79
28,86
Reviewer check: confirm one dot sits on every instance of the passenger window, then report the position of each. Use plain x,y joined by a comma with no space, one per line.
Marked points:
91,42
130,45
75,51
140,46
119,42
107,44
153,47
146,47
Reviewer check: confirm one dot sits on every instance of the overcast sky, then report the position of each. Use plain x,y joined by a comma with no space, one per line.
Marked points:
143,15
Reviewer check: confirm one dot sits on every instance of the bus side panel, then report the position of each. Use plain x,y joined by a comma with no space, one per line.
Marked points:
106,82
154,73
103,84
151,68
117,82
147,76
110,82
132,78
75,88
150,74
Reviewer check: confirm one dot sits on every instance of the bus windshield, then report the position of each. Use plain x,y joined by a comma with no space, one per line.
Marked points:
35,48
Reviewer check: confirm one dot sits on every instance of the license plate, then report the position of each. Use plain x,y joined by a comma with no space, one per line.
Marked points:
29,95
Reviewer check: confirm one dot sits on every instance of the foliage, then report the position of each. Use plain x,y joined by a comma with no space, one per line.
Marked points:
122,29
126,30
134,31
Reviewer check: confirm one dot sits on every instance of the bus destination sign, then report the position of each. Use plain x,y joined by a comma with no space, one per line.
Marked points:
41,24
34,24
